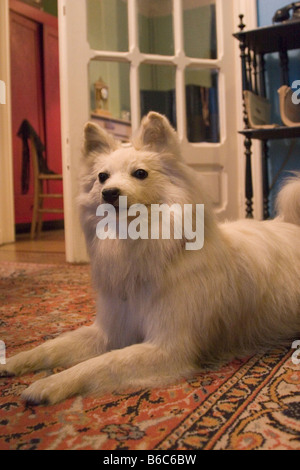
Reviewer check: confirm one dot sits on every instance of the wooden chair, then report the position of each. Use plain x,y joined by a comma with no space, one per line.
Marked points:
40,180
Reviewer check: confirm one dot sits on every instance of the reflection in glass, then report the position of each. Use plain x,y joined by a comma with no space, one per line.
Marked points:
107,25
200,35
109,89
202,109
157,84
156,27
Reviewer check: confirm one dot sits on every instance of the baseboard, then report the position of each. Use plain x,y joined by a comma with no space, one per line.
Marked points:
50,225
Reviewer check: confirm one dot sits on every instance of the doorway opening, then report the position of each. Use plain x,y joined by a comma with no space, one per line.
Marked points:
35,97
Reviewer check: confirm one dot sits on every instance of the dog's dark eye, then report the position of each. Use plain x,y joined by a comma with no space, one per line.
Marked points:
140,174
103,177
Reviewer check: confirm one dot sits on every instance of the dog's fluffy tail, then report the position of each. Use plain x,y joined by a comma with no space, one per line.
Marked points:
288,201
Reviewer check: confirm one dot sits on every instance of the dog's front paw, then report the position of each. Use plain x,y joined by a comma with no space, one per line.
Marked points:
48,391
7,370
44,391
24,362
17,365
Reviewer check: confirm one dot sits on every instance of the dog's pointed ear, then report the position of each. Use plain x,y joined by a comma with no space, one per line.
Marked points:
97,140
156,133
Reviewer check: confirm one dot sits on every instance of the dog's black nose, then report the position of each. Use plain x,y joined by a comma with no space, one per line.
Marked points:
111,195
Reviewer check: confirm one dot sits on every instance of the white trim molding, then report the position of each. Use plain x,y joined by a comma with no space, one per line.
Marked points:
74,114
7,221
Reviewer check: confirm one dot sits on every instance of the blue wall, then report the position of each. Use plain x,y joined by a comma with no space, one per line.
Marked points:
278,149
266,10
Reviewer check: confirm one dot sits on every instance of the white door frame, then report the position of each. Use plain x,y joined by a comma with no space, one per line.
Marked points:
74,104
7,221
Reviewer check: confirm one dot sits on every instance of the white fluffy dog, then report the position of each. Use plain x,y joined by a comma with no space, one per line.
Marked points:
165,312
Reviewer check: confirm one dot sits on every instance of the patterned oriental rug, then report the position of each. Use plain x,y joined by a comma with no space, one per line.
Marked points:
248,404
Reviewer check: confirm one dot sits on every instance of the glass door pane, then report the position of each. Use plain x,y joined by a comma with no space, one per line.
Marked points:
107,27
156,27
200,34
110,97
202,109
113,79
157,90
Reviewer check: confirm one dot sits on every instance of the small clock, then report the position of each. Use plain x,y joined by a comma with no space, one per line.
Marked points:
101,97
104,93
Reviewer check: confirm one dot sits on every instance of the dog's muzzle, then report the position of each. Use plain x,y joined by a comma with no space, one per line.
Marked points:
111,195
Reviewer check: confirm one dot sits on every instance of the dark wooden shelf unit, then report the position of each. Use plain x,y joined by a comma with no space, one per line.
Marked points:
254,44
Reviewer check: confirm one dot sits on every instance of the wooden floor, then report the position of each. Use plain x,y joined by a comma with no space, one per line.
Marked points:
49,249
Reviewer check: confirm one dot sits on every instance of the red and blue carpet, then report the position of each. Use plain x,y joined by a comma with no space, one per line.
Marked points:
249,404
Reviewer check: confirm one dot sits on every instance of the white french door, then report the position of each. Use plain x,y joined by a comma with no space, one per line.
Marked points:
177,57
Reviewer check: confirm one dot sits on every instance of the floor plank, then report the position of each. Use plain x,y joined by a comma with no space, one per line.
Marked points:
50,248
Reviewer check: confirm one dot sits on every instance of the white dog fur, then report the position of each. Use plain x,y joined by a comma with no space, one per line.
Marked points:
164,312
